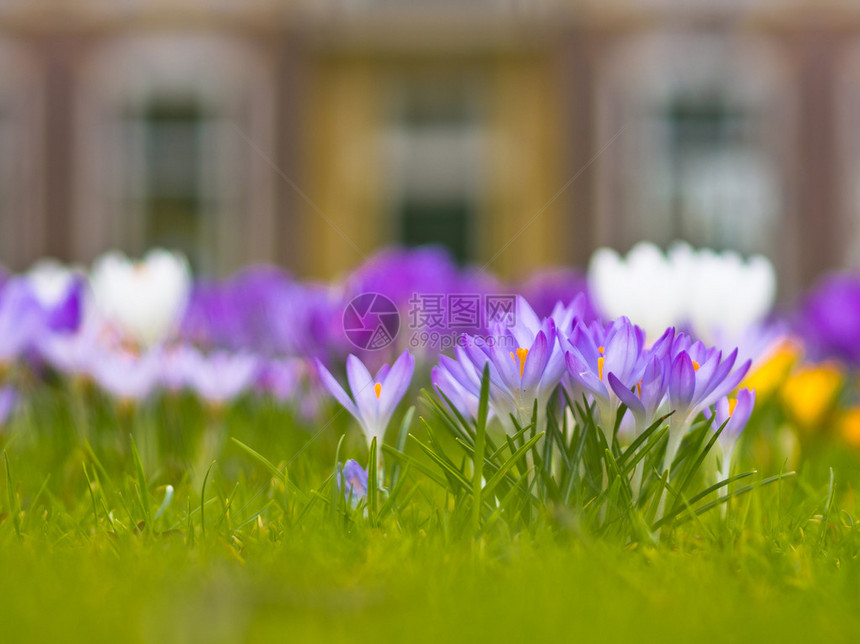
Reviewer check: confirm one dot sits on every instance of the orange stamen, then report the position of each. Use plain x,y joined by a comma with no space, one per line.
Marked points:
378,389
695,366
521,354
600,367
639,389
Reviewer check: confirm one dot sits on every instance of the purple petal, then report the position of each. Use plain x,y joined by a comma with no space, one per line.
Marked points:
584,376
682,382
626,396
535,362
526,316
395,385
353,479
336,390
361,385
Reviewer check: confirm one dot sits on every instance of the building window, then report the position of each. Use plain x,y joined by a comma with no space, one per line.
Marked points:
435,158
162,149
169,195
429,222
715,183
703,124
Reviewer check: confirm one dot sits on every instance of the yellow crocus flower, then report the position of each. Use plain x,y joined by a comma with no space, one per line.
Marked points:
810,392
769,377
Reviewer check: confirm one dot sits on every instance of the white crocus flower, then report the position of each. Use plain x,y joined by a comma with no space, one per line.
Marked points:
143,301
727,295
718,295
643,286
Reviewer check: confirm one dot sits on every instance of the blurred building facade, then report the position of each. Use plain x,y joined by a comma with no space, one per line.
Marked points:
518,133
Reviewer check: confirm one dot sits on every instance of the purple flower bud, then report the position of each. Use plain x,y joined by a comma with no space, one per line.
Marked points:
352,479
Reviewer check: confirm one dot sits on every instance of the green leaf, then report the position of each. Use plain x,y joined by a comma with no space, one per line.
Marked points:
143,490
454,475
372,481
639,440
724,499
480,445
506,467
401,444
261,459
203,499
418,465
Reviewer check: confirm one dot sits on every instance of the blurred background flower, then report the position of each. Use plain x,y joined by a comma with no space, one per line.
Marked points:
713,295
142,301
829,319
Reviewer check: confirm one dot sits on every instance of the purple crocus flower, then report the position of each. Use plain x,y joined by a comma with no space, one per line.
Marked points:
22,320
126,375
459,381
594,353
525,361
829,320
221,376
352,479
647,396
373,399
177,364
699,377
210,320
734,413
59,290
263,310
524,367
400,274
66,315
72,353
281,378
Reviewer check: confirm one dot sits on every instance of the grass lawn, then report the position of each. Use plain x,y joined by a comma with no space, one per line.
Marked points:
90,552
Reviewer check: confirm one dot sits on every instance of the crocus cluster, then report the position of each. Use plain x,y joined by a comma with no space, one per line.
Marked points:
628,382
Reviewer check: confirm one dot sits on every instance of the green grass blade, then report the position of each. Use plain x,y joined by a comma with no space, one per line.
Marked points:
142,485
372,482
480,445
